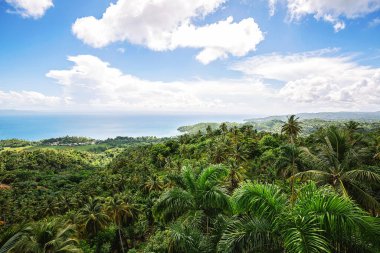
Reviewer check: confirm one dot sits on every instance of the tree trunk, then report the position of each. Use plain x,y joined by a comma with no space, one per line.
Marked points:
293,197
121,240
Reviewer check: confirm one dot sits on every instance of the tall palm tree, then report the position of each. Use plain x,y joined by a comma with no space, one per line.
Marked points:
223,127
43,237
337,165
289,163
92,216
292,128
218,151
195,192
235,174
319,221
120,210
209,131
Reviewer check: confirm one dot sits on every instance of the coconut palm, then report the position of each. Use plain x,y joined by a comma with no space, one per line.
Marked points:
337,165
218,151
235,174
289,163
223,127
120,210
352,126
292,128
92,216
319,221
43,237
195,192
153,184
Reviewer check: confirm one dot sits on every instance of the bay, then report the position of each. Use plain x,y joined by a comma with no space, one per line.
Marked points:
35,126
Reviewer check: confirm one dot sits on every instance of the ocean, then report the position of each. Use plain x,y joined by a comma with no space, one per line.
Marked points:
31,126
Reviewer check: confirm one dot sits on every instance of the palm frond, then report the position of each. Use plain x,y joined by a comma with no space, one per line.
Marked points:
315,175
305,236
363,175
11,242
340,217
363,198
211,176
173,203
247,234
260,199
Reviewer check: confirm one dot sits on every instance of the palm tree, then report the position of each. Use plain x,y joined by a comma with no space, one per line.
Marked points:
319,221
92,216
218,151
43,237
352,126
153,184
235,174
209,131
50,206
289,162
337,165
195,192
120,210
292,128
185,238
223,127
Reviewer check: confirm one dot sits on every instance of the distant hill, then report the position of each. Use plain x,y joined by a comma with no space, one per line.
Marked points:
358,116
310,122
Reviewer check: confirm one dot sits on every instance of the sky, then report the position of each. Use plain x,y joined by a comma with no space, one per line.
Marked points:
259,57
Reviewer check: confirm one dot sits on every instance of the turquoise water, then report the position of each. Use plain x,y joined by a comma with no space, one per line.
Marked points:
42,126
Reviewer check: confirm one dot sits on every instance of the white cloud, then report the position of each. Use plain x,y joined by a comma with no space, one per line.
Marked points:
311,81
332,11
94,84
374,22
318,78
27,100
321,80
272,7
31,8
169,24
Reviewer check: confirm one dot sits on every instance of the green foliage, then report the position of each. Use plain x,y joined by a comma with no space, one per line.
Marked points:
67,140
225,189
14,143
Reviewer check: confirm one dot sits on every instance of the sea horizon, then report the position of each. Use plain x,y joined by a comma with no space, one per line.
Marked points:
34,126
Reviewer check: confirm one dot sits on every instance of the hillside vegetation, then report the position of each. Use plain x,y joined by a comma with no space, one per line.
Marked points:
229,188
273,124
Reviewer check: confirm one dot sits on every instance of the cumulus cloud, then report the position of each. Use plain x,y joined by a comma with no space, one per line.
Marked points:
321,80
31,8
318,78
169,24
311,81
332,11
27,100
93,83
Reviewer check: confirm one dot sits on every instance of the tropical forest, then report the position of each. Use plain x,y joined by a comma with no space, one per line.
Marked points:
228,188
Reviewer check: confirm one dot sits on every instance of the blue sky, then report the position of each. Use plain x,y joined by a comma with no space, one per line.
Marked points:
209,56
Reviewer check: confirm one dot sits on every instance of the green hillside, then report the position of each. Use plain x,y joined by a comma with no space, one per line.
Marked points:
228,189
